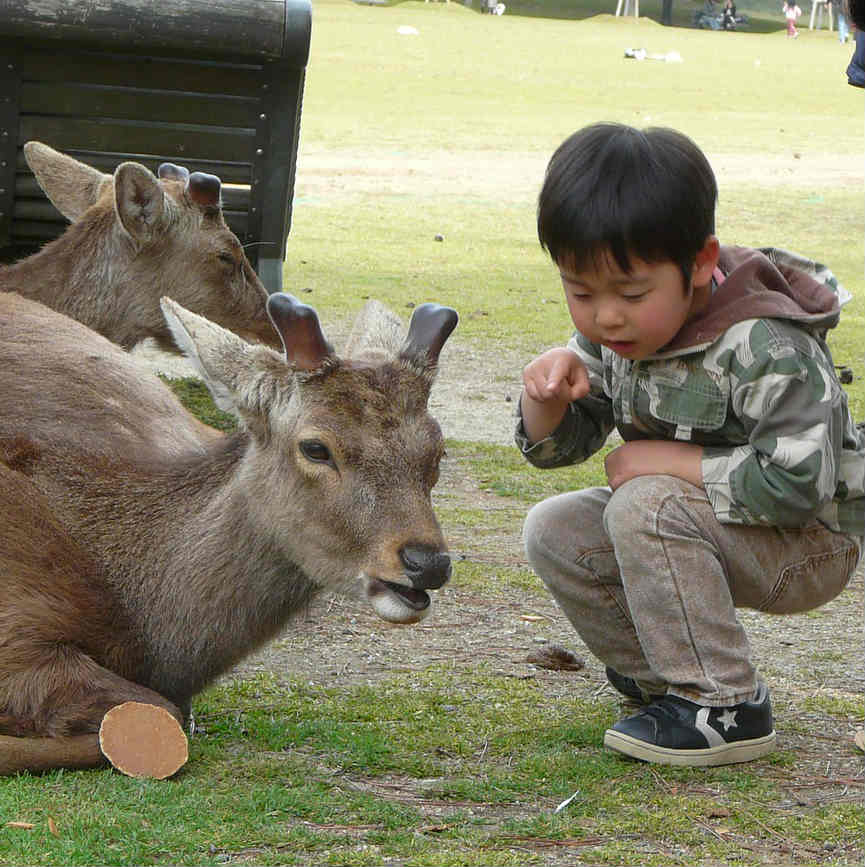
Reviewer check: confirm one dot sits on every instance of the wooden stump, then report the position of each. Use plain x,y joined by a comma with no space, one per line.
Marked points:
143,740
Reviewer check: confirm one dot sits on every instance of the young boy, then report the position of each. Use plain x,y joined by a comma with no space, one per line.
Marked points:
740,480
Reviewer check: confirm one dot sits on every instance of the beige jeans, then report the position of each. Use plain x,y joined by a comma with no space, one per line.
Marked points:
651,581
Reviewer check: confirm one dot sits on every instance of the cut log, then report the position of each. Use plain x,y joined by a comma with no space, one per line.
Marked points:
143,740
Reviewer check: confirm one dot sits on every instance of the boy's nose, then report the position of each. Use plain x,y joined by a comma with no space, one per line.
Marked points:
608,314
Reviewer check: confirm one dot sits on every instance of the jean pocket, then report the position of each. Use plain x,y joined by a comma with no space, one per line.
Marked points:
812,581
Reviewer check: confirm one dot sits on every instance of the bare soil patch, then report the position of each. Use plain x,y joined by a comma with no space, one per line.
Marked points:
516,176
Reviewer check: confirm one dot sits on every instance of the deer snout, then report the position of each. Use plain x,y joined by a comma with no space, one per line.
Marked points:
426,568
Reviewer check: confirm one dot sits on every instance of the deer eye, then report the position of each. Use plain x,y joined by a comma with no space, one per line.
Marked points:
227,259
316,451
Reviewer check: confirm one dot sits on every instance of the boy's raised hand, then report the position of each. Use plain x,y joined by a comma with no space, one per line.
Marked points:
550,383
557,375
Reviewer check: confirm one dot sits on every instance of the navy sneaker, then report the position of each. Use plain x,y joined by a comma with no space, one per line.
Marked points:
627,686
675,731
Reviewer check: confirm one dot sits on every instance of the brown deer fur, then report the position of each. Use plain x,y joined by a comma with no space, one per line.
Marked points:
133,239
141,555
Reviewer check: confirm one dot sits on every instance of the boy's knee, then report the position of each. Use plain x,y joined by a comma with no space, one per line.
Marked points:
551,532
559,529
636,505
535,528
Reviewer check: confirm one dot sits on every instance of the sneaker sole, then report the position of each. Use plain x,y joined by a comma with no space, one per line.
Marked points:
727,754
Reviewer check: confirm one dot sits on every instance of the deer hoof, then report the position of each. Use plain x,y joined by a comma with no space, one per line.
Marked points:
143,740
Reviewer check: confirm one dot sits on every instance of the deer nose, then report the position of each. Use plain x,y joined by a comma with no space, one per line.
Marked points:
427,568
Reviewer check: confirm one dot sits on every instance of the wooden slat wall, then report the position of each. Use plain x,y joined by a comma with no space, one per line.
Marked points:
221,27
107,108
44,62
233,113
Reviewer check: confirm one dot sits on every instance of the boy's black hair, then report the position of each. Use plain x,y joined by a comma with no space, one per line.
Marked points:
645,193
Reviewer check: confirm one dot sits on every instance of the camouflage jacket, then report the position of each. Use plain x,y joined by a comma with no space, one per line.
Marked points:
751,379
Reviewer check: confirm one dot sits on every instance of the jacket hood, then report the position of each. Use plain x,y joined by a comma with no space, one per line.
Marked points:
768,283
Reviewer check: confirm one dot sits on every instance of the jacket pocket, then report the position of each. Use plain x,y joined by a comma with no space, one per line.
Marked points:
684,396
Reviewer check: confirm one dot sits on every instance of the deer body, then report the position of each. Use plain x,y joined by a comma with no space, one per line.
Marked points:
146,554
134,238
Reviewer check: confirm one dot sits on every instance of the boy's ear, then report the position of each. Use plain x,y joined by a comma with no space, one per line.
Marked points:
705,261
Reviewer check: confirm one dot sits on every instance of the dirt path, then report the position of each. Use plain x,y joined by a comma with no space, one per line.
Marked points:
329,175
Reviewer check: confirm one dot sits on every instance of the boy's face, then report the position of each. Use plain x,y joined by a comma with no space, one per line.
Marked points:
637,313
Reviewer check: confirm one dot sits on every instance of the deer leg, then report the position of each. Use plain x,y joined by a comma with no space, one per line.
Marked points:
58,704
44,754
68,693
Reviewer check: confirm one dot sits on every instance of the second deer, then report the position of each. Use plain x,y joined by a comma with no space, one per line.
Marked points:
133,238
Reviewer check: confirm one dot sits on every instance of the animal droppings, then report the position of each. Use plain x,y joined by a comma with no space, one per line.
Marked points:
556,658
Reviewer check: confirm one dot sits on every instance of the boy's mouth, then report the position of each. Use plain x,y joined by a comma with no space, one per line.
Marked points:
620,347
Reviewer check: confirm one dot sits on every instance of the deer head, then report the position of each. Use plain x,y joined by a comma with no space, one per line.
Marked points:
137,237
345,454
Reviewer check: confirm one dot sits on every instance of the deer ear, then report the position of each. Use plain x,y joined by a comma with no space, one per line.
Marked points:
430,327
138,199
377,333
219,356
71,186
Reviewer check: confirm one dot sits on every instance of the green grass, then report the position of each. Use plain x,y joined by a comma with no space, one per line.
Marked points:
287,773
505,472
290,773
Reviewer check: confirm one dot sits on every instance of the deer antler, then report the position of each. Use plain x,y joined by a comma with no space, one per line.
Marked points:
430,327
204,189
298,326
171,172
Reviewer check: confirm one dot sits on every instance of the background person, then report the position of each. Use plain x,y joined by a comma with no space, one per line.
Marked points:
792,13
840,12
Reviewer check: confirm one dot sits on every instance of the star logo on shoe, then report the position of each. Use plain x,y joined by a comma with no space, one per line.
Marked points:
728,719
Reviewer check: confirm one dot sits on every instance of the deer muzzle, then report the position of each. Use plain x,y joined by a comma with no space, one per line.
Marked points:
425,568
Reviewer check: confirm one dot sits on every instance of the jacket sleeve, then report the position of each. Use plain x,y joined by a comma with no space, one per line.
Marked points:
791,406
586,424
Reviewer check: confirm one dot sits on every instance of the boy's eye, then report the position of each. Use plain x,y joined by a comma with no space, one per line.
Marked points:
635,297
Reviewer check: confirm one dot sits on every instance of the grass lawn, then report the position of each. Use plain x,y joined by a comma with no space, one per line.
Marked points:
446,132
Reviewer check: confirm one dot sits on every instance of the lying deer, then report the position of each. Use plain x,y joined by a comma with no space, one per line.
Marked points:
141,555
134,238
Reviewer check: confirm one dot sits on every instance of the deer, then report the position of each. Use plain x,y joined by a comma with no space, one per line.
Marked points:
142,555
134,237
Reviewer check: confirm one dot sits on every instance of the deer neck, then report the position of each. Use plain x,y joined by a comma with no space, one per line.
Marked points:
76,274
201,584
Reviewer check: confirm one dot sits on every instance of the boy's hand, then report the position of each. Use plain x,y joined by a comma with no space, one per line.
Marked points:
654,458
551,382
557,375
